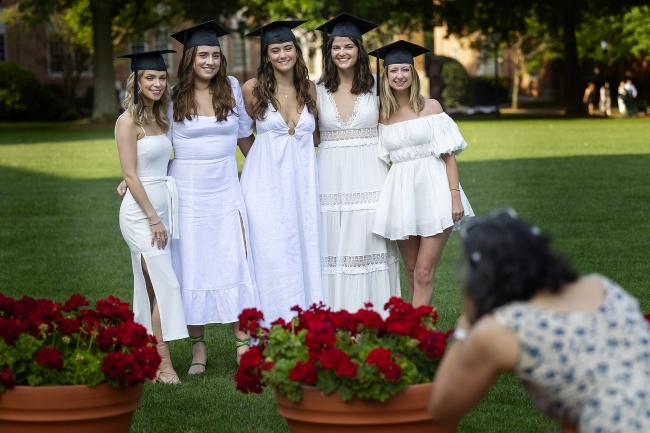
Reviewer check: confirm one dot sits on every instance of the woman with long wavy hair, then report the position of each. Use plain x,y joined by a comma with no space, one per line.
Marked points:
148,212
212,257
279,180
358,266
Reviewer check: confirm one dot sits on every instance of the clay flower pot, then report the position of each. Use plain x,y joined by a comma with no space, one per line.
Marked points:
403,412
69,409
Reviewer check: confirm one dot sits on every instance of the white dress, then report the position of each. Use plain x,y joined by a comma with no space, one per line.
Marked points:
280,187
358,266
213,262
415,199
153,153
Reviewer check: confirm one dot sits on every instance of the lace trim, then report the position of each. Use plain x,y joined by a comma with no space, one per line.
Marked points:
335,108
359,264
349,201
348,134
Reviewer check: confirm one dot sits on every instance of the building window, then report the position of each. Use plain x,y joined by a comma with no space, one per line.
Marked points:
138,47
237,58
62,61
162,42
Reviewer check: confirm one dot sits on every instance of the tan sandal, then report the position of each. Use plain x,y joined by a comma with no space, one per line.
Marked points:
169,377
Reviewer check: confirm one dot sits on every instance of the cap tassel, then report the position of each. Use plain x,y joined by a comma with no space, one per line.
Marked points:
262,48
377,79
135,80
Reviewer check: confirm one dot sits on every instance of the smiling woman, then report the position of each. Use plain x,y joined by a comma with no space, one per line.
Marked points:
279,180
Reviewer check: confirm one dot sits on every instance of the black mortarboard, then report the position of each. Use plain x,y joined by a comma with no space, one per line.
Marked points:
147,60
207,33
347,26
397,53
277,32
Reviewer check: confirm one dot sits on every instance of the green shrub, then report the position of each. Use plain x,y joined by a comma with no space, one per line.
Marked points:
456,84
20,92
482,90
54,106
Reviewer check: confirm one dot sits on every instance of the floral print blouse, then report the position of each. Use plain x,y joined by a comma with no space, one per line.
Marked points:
590,369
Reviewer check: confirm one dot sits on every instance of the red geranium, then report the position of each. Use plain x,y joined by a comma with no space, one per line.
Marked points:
342,350
6,378
49,356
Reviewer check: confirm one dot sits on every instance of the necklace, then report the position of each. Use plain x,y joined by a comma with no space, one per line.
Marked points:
286,94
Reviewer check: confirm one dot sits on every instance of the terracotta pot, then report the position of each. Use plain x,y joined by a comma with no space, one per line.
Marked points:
403,412
69,409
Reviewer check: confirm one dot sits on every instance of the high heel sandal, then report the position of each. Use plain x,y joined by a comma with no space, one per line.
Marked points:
171,376
241,343
196,340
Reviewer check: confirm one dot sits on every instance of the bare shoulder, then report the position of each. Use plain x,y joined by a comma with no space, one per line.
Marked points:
249,85
431,106
493,340
125,123
312,89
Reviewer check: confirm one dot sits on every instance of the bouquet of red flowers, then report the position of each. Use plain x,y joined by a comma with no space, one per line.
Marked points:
359,354
47,343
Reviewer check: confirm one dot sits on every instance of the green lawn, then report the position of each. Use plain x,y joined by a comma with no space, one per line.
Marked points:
585,181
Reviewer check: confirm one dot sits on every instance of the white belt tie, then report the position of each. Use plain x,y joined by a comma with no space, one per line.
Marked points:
172,202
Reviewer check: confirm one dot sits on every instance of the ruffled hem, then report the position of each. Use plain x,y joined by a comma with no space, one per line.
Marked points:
217,306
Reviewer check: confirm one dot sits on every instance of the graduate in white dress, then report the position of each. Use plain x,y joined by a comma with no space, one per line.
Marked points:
279,180
148,214
422,200
213,257
358,266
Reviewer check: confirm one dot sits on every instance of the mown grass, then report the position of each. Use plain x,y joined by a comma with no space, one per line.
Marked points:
584,181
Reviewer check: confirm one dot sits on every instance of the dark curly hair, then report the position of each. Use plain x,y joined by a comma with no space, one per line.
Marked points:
509,260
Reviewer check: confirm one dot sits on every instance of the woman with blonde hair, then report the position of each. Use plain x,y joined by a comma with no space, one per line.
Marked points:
148,214
358,265
279,180
422,200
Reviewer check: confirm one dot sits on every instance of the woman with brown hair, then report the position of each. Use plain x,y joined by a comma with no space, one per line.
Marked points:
212,257
358,265
422,200
148,212
279,180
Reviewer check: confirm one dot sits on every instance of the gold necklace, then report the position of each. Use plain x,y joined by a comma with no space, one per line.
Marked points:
286,95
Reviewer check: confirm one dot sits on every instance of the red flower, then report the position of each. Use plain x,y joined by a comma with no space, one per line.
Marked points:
74,303
6,305
116,364
113,311
343,320
382,359
370,319
249,374
647,317
303,372
434,343
49,356
67,326
320,335
6,378
250,319
11,329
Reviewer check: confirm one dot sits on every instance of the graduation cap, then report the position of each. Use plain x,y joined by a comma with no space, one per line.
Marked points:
147,60
277,32
207,33
397,53
347,26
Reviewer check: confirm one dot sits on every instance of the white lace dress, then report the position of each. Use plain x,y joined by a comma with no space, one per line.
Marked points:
415,200
358,266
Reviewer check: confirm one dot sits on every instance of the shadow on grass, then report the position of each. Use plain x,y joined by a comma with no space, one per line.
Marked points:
59,236
30,133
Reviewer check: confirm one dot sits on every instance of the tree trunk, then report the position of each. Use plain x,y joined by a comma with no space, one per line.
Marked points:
516,78
572,86
105,101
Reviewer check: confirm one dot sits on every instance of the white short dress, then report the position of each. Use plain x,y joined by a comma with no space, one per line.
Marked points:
153,153
212,258
415,199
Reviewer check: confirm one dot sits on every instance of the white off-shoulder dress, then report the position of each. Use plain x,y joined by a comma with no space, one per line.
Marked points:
415,199
153,153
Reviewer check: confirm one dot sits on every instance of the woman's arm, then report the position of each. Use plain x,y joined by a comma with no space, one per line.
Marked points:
247,91
126,137
245,144
457,210
469,368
